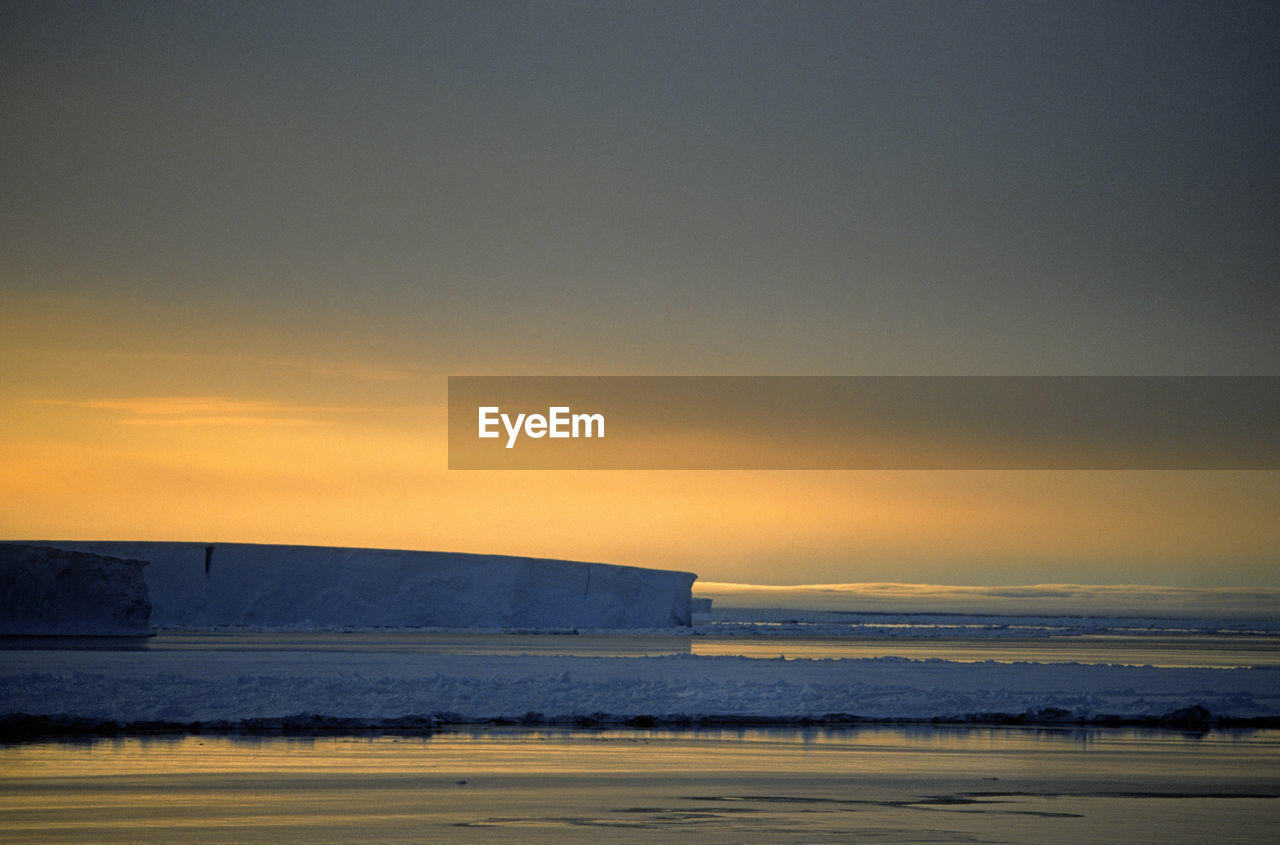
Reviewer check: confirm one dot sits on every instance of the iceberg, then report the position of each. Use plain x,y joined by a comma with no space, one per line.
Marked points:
197,585
51,591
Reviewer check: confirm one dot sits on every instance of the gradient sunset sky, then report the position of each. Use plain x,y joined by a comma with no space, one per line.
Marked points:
242,245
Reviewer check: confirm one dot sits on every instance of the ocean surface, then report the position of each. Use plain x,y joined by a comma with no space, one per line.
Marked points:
876,784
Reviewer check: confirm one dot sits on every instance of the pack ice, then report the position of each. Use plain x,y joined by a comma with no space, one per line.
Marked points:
47,590
237,584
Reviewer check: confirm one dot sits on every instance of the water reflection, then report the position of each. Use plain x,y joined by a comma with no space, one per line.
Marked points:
1214,651
1224,652
572,750
891,783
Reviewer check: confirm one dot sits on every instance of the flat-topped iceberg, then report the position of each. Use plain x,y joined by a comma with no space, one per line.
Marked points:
51,591
237,584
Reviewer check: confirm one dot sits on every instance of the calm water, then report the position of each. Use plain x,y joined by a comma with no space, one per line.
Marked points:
1186,650
874,785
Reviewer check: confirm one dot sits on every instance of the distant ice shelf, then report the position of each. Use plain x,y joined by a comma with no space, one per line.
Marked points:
237,584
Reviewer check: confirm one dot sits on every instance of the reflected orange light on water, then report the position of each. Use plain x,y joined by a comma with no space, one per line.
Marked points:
500,751
1012,785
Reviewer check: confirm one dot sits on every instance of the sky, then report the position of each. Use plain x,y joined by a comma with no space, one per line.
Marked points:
243,245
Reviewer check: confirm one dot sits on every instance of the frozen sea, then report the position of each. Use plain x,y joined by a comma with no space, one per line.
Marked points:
754,726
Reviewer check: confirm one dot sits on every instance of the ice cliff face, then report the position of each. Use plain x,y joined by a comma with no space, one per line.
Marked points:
195,585
46,590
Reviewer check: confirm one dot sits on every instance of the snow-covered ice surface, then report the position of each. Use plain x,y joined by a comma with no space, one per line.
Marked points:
355,680
52,591
228,686
308,587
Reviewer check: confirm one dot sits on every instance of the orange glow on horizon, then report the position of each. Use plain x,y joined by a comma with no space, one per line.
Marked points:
321,453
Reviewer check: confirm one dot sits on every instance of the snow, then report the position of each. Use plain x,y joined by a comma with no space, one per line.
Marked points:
229,686
51,591
267,586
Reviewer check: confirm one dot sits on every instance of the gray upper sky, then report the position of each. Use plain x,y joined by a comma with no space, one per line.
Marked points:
797,187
